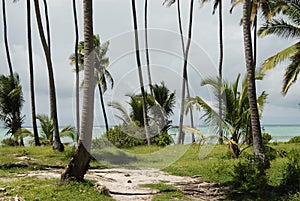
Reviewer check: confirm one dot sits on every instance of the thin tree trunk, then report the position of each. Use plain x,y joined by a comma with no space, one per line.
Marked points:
5,38
138,61
185,77
255,42
220,69
103,106
47,26
32,92
79,164
76,67
57,145
147,47
255,123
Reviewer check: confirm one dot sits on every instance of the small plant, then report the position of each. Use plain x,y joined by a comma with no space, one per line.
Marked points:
10,142
266,137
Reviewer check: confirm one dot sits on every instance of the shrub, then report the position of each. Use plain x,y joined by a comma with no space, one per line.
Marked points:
249,175
291,176
10,142
266,137
295,139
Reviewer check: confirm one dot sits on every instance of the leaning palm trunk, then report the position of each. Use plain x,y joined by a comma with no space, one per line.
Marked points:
147,47
185,76
79,164
138,61
103,105
57,145
47,25
254,116
5,38
76,65
32,92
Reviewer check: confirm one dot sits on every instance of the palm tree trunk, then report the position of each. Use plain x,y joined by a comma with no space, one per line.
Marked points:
147,47
47,25
79,164
220,69
76,66
185,76
255,42
32,92
138,61
103,106
57,145
255,123
5,38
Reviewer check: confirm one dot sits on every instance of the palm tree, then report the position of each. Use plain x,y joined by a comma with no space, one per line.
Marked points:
101,69
11,103
32,92
79,164
285,24
47,25
139,66
76,65
57,145
5,38
254,115
235,106
147,45
185,75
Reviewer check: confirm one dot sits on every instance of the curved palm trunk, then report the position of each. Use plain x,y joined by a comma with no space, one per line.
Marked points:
79,164
47,25
32,92
147,47
103,106
255,42
185,77
255,123
5,38
138,61
76,66
57,145
220,68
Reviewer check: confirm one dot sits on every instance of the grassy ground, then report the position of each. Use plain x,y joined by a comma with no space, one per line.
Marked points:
213,164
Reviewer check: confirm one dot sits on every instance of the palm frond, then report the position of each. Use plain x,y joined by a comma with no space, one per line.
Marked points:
116,105
291,73
168,3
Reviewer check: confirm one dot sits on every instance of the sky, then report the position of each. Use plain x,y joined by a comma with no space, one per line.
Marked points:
113,22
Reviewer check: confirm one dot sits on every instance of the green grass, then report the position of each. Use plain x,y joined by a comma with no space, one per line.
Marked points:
41,189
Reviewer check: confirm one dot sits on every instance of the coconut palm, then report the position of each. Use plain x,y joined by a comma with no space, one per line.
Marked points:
57,145
102,74
31,73
139,66
11,103
235,106
254,114
76,65
79,164
6,38
286,25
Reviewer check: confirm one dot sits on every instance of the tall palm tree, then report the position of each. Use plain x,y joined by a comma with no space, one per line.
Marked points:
47,25
102,74
185,75
5,38
79,164
76,65
32,92
285,25
254,116
147,46
11,103
57,145
139,66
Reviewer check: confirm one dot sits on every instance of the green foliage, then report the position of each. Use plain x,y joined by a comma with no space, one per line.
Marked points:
9,142
249,175
162,140
291,177
266,137
295,139
168,192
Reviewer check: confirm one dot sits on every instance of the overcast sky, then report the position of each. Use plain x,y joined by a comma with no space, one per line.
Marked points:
113,21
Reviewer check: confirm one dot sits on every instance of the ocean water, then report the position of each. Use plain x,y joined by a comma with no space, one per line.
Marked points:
280,133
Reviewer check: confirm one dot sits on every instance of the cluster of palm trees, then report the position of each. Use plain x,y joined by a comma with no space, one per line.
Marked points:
281,18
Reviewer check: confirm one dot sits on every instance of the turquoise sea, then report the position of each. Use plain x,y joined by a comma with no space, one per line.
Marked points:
280,133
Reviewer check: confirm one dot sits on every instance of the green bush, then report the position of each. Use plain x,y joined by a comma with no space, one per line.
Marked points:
295,139
266,137
249,175
162,140
10,142
291,176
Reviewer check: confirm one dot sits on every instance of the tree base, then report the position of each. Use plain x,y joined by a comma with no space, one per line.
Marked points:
58,146
78,165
